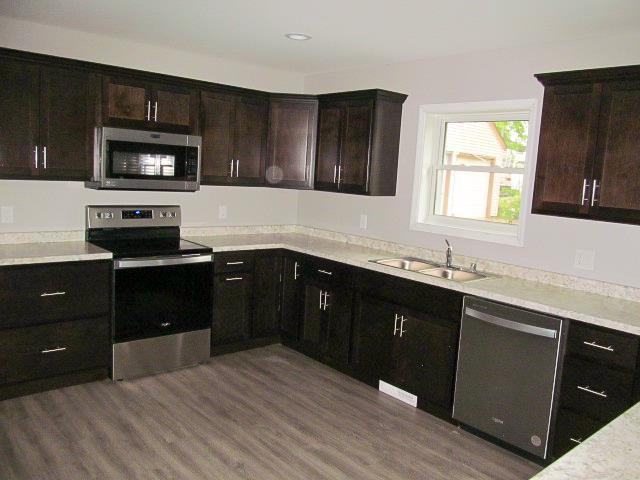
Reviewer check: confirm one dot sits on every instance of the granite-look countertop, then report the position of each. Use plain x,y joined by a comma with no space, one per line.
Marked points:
623,315
613,452
25,253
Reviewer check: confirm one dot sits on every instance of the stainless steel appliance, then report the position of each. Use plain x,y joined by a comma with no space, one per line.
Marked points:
507,373
162,288
144,160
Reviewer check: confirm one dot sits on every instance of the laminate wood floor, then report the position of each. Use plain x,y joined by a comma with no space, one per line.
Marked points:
269,413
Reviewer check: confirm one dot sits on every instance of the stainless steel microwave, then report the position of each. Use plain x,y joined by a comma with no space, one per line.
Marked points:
145,160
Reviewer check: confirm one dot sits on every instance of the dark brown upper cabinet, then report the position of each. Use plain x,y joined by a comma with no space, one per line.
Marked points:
131,102
234,138
588,166
358,141
291,142
47,117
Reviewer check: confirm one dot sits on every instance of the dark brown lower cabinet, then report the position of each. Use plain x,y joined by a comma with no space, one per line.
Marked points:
292,295
232,308
267,292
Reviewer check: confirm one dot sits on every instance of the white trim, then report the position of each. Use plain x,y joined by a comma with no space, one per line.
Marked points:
429,154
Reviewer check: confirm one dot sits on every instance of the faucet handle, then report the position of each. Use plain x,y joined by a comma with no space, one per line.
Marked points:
474,267
447,242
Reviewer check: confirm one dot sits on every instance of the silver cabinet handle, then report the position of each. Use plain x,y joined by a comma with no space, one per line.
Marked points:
235,263
584,199
148,110
395,324
233,279
593,392
339,174
53,350
576,440
325,272
35,156
320,300
165,324
232,168
593,192
326,296
155,111
52,294
44,156
601,347
295,271
237,168
335,172
402,330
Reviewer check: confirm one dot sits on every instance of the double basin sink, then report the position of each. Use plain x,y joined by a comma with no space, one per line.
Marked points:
456,274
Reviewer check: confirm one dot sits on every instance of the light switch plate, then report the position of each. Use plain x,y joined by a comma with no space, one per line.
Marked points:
6,214
222,212
363,221
585,259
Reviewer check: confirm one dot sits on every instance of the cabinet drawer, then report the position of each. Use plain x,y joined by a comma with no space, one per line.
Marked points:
604,346
572,429
327,271
226,262
44,293
54,349
596,390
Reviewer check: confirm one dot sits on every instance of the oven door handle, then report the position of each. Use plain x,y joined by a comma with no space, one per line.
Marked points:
161,261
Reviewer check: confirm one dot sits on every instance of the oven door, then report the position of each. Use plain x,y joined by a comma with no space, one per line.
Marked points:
157,296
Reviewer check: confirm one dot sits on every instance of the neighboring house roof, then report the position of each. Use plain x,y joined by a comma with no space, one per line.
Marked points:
475,138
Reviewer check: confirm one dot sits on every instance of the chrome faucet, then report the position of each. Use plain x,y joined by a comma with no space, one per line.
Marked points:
449,254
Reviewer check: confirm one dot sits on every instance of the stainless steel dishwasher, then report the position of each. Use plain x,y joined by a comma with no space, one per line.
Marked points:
507,373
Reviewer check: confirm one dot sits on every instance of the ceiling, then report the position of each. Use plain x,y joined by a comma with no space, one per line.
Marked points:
346,33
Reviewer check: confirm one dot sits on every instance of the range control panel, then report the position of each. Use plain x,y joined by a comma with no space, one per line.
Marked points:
121,216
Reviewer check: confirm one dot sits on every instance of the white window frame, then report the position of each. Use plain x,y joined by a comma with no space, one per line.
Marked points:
430,150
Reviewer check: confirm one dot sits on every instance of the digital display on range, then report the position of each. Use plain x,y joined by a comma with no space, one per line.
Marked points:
133,214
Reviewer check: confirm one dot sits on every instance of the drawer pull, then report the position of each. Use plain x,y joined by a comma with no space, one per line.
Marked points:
53,350
588,390
233,279
601,347
52,294
235,263
576,440
325,272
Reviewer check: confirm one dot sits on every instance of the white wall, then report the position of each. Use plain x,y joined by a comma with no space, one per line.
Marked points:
40,206
550,242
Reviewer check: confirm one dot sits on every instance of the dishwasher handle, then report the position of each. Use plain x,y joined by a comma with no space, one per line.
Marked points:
510,324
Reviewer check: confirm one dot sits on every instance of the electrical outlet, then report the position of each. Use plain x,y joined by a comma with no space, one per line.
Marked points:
585,259
6,214
222,212
363,221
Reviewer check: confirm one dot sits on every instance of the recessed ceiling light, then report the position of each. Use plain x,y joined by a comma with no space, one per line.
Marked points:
298,36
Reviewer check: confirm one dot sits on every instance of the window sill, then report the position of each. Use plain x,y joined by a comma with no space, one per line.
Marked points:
488,235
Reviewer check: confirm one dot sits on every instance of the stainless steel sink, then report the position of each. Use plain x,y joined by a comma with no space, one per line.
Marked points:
431,268
411,264
453,274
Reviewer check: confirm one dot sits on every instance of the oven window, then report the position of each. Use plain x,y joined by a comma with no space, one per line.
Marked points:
146,160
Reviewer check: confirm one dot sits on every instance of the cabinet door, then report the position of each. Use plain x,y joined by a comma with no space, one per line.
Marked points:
329,141
291,298
126,102
335,350
424,358
371,356
266,295
217,115
291,142
617,171
566,149
313,325
356,147
67,121
18,118
174,108
232,308
250,139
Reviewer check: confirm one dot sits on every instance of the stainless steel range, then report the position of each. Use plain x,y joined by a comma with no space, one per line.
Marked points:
162,288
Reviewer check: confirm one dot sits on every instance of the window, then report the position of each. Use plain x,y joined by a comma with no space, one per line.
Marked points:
472,170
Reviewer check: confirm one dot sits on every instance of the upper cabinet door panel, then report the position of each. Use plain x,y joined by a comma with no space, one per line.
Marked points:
217,116
329,141
126,102
250,134
566,149
291,142
18,118
175,108
356,146
617,195
68,117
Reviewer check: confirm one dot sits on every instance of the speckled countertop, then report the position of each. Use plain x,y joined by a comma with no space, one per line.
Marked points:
623,315
25,253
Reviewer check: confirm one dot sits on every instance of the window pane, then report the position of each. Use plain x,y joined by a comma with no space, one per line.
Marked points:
491,197
482,144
